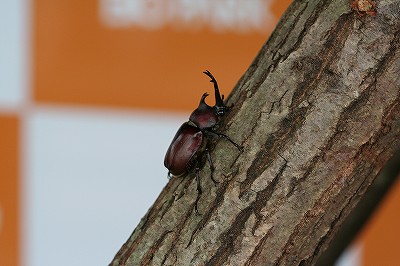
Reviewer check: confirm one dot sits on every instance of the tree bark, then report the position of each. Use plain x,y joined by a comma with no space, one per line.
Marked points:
318,114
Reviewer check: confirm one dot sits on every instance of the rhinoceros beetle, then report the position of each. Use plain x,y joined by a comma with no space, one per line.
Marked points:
189,145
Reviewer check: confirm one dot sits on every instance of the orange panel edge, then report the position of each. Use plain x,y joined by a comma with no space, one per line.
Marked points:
9,191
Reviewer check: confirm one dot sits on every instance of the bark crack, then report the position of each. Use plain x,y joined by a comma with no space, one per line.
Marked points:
177,233
148,257
287,127
228,238
263,196
207,216
257,250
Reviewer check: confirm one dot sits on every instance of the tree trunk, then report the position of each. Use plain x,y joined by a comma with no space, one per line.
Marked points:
318,115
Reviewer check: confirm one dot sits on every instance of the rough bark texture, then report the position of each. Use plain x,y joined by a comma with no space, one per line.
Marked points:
318,114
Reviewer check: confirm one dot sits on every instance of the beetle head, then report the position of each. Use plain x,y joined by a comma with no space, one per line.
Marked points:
220,108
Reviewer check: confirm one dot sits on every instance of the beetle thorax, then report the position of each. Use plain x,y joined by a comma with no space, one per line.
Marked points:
204,116
204,120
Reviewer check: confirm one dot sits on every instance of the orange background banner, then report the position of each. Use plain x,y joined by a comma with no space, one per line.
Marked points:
79,59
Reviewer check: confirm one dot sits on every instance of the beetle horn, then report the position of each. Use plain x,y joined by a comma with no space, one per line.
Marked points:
202,100
219,101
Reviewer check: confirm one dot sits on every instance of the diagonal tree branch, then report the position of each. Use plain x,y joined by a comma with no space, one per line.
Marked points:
318,114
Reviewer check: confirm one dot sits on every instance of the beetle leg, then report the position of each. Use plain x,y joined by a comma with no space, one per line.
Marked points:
198,190
220,135
212,168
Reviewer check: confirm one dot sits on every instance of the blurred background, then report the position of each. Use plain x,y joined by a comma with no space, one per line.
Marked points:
91,95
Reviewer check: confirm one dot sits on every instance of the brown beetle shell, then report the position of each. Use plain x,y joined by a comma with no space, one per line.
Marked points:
183,149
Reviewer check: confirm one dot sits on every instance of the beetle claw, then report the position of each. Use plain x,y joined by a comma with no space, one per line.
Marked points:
196,209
